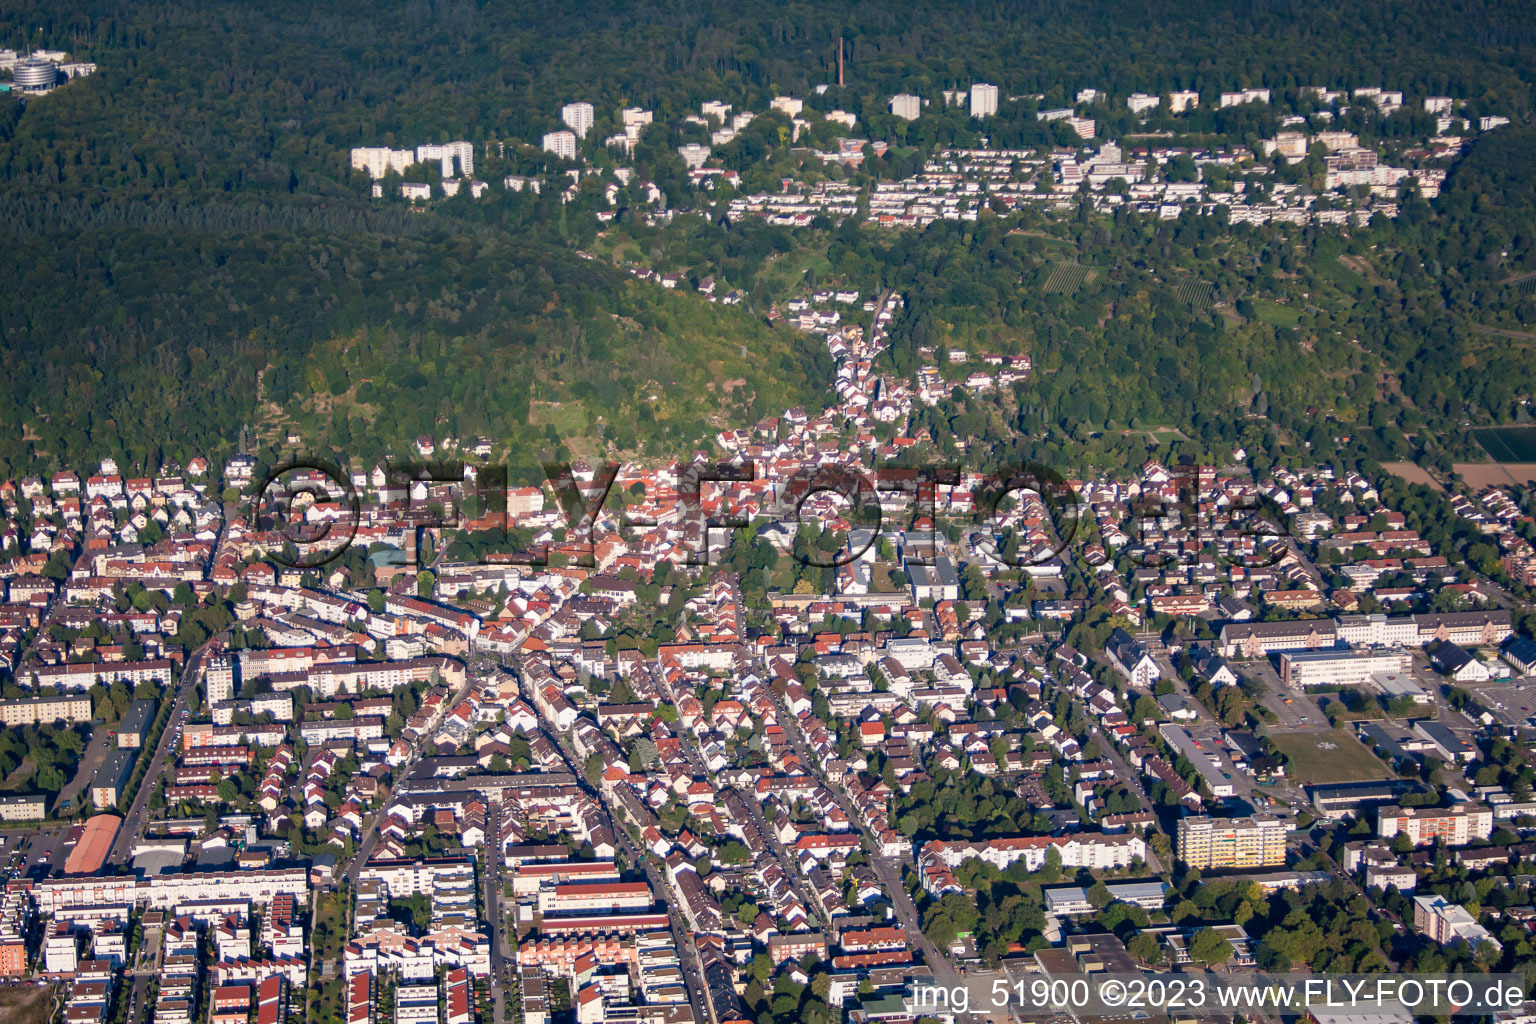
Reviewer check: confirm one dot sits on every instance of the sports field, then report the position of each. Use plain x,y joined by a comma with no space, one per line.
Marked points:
1329,755
1508,444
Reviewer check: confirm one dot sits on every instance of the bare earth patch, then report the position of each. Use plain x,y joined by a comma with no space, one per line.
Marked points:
1412,472
1495,474
26,1004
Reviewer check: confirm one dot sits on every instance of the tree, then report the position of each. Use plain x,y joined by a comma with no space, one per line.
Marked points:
1144,947
1051,871
760,969
1209,947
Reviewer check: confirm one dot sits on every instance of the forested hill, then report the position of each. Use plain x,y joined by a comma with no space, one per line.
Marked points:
165,339
222,100
189,251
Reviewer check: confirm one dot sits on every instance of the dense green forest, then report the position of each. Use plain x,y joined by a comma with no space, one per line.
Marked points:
189,253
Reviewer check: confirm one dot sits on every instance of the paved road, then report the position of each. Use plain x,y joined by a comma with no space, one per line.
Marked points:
786,860
132,828
889,869
492,870
102,740
682,934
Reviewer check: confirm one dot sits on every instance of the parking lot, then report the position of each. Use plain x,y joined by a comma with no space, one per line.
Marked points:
1512,701
36,851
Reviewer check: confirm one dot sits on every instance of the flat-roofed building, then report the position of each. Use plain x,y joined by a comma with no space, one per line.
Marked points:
1069,900
1231,842
24,807
1453,826
72,708
111,780
1342,667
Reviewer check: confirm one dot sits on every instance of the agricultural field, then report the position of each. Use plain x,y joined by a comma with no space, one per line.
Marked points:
1413,473
1478,475
1508,444
1197,293
1065,279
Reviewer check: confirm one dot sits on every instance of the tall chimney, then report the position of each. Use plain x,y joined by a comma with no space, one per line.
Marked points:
839,62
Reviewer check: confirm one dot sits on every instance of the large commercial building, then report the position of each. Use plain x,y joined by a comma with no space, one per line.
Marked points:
1071,900
1337,800
1453,826
36,74
1231,842
1341,667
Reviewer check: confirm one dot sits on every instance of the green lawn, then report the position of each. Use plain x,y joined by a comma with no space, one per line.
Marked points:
1329,756
1275,314
1341,274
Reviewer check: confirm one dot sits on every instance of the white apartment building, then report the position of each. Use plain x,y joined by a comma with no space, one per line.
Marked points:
906,106
166,891
1445,922
1140,102
561,143
983,100
446,155
1453,826
220,679
381,160
577,117
693,155
1231,842
1178,102
1237,99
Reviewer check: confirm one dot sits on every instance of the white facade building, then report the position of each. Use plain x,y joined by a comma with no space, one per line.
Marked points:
578,117
983,100
906,106
562,144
